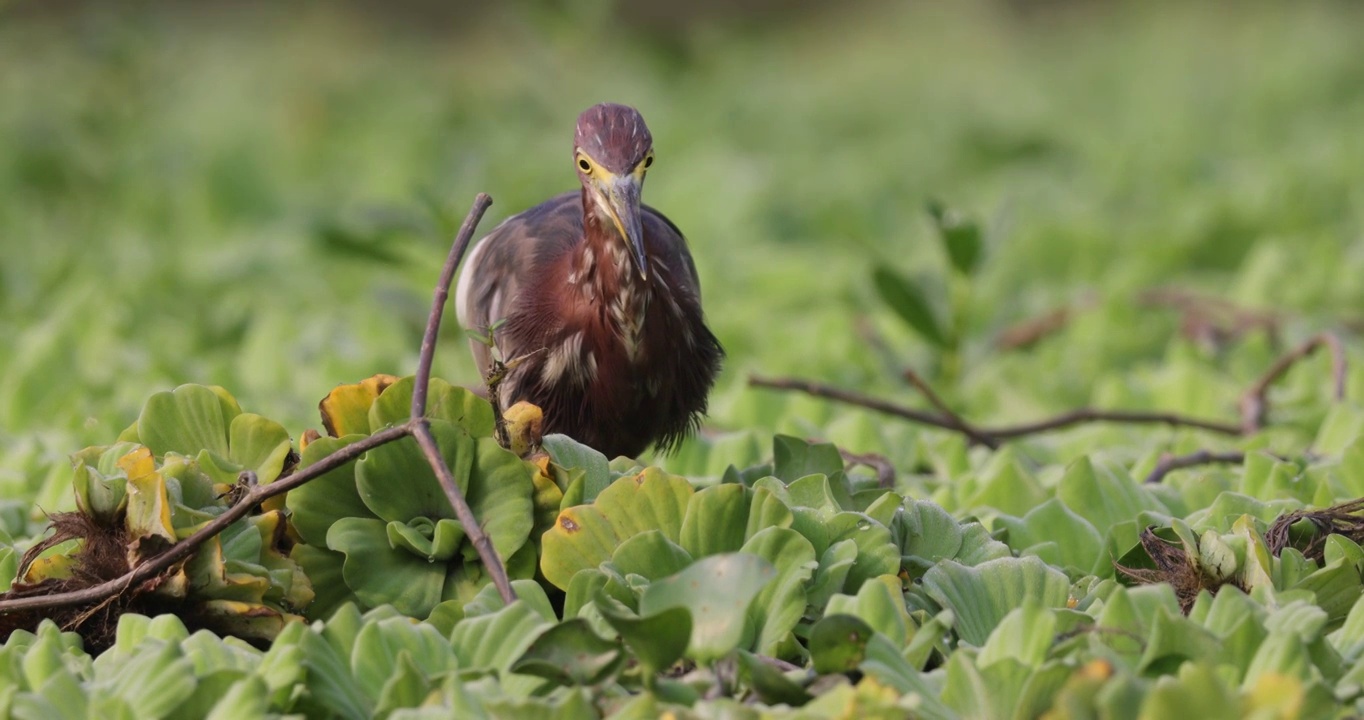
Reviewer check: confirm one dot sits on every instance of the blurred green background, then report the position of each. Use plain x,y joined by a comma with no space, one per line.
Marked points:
260,195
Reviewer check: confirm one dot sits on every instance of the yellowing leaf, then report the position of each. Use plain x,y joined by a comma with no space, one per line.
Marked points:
345,410
52,567
149,513
138,464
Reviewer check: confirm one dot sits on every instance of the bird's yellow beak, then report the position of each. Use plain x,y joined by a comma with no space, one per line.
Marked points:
622,198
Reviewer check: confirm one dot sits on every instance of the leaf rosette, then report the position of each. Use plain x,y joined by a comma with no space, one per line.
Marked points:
380,530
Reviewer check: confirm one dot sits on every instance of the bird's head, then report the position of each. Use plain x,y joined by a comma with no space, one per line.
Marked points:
612,150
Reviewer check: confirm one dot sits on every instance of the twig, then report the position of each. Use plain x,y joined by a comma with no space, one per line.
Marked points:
1130,417
1057,422
421,430
447,275
866,330
1029,332
255,494
959,424
851,397
182,550
885,471
1169,463
1254,403
1213,321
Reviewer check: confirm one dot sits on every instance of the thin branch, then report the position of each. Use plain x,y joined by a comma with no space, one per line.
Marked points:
442,294
851,397
1255,401
1029,332
885,471
1080,416
1057,422
866,330
1169,463
421,430
959,424
183,549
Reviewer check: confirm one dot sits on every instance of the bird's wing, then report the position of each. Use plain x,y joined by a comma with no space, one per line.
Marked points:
509,259
671,248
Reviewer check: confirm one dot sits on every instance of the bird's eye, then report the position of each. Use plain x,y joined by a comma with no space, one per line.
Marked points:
648,161
584,165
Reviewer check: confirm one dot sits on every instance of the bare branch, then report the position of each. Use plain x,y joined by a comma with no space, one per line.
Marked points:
1029,332
1080,416
850,397
1169,463
997,434
421,430
959,424
885,471
447,275
1255,401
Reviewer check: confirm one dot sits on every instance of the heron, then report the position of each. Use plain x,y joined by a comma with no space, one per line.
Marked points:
594,299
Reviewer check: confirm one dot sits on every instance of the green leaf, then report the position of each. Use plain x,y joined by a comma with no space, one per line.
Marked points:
1003,689
794,458
651,555
378,573
153,682
1174,639
717,591
186,420
880,604
780,605
579,460
585,536
960,236
769,683
317,504
981,596
328,677
494,641
1343,426
570,653
406,686
927,534
455,405
910,304
325,570
1063,537
396,482
716,520
657,640
1104,493
381,644
1025,635
838,643
831,576
247,699
260,445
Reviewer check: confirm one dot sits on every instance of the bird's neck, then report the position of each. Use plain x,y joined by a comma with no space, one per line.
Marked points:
603,270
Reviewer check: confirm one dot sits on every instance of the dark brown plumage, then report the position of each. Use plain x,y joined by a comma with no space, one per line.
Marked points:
599,293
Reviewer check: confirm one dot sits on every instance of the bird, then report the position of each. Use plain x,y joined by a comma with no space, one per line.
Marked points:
592,299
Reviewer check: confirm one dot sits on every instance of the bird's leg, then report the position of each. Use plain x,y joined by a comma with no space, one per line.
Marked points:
497,373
